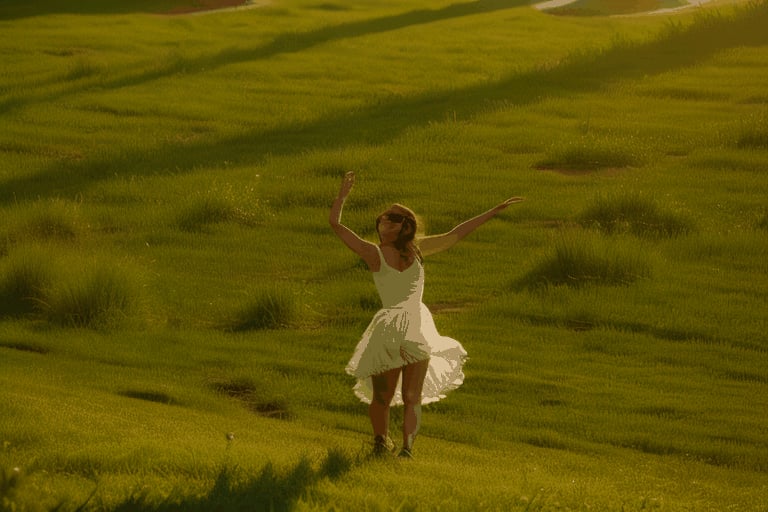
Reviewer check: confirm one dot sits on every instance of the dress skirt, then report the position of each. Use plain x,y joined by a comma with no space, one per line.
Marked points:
401,335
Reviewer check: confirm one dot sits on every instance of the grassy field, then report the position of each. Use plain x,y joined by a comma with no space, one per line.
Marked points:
176,314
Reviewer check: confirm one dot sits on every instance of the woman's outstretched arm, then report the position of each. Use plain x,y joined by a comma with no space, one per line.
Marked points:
437,243
363,248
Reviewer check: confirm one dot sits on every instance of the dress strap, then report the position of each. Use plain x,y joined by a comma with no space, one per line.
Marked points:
382,261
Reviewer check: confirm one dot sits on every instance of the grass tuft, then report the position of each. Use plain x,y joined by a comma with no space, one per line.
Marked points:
762,223
221,205
581,259
82,68
273,308
591,153
753,133
54,221
337,463
101,296
635,214
24,281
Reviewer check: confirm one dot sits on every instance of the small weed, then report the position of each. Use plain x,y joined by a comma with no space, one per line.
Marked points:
82,68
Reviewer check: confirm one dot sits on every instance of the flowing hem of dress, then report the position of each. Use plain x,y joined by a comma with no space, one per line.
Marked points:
443,376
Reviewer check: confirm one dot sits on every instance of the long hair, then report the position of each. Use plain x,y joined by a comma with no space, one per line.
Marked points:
406,239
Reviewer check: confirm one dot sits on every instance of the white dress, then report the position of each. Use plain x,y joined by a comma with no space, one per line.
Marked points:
403,332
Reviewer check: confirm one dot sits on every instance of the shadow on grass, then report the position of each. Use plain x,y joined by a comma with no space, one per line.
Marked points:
677,47
271,490
285,43
17,9
648,329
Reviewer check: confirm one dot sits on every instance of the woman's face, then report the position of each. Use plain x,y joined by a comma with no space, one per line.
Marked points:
389,227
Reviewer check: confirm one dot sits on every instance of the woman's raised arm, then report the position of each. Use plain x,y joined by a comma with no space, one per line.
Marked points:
363,248
437,243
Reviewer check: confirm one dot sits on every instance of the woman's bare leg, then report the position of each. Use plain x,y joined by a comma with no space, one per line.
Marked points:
413,383
384,385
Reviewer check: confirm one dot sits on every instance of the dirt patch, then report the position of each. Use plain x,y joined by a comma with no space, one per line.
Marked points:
149,396
254,399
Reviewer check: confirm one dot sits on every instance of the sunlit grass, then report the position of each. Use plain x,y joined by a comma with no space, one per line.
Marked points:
168,277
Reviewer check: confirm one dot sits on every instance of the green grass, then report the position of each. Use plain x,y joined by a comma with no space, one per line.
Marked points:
175,313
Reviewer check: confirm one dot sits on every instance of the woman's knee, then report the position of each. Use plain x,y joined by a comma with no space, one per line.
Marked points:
382,392
384,386
413,382
383,396
411,398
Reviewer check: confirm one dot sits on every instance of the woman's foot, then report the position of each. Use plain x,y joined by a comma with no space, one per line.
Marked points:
405,453
383,445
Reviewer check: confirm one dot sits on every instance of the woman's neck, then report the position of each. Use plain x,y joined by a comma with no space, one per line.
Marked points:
406,254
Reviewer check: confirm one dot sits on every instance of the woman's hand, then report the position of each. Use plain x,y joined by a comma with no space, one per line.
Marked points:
511,200
437,243
366,250
346,185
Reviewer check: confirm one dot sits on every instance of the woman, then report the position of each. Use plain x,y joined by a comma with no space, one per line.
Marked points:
401,358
